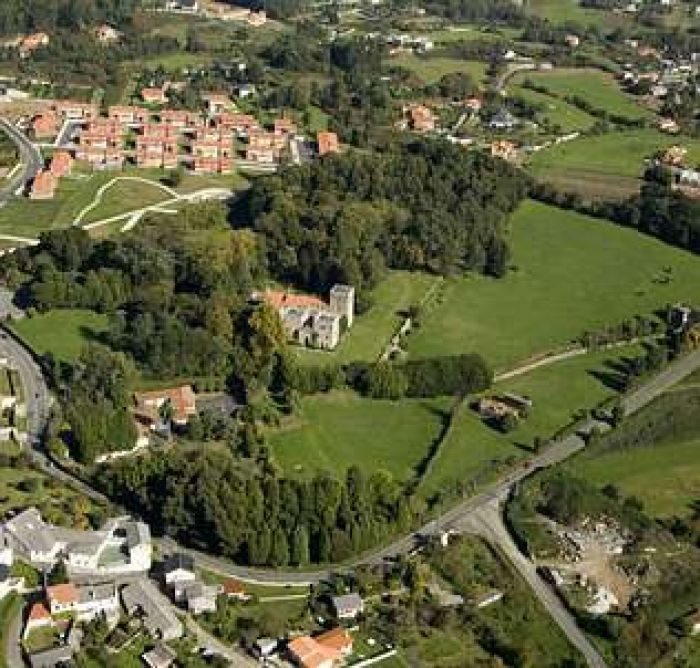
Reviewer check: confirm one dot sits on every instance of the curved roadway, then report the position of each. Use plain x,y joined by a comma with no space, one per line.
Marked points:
30,157
476,511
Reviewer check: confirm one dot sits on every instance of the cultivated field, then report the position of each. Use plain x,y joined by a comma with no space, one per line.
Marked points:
571,273
339,429
63,332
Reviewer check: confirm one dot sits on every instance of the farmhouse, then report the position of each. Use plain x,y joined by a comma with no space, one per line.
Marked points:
45,125
200,597
324,651
309,321
421,119
87,602
180,399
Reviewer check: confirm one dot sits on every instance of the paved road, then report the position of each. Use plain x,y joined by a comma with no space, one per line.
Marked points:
212,644
30,157
13,649
487,522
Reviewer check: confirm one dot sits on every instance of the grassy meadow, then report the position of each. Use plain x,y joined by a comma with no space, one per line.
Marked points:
431,69
63,332
336,430
474,451
372,330
595,86
571,273
555,111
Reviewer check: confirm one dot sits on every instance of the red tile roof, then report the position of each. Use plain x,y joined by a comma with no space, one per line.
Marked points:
278,300
61,163
38,612
327,142
62,593
337,639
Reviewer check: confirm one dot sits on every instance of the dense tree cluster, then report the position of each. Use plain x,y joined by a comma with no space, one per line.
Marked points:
210,500
18,16
177,293
427,205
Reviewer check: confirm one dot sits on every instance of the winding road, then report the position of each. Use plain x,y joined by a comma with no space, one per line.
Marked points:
30,158
480,513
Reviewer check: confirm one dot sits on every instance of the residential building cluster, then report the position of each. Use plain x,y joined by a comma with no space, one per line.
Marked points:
310,321
27,44
154,136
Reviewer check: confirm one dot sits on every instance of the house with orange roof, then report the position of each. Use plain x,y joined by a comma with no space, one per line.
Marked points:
327,142
39,617
234,589
43,186
154,96
506,150
62,598
216,102
237,122
45,125
125,115
61,164
337,639
182,401
304,651
75,111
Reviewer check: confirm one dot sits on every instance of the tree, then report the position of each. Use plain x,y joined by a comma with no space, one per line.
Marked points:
58,574
537,444
617,415
279,553
300,547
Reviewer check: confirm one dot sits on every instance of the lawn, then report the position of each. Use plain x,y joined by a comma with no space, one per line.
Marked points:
598,88
475,452
618,154
372,330
336,430
63,332
666,477
431,69
571,273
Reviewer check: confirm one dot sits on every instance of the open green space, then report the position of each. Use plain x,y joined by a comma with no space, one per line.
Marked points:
598,88
372,330
570,273
666,476
473,451
619,154
554,111
63,332
571,11
336,430
431,69
21,488
124,196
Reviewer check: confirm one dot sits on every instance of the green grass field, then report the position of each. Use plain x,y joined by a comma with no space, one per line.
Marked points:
372,330
124,196
431,69
472,448
339,429
555,111
568,11
572,273
612,154
666,477
64,332
596,87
